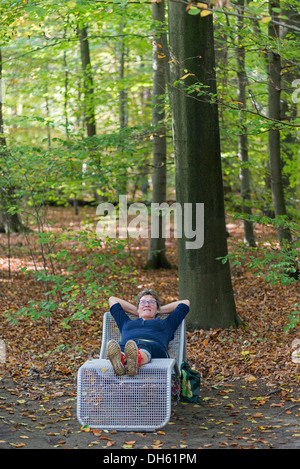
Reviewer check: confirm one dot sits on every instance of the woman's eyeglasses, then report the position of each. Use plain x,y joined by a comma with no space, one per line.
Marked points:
150,302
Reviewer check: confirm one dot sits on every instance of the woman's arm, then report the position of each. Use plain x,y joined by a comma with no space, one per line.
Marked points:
169,308
128,307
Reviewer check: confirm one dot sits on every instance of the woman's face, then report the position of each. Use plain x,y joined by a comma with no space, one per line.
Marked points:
147,307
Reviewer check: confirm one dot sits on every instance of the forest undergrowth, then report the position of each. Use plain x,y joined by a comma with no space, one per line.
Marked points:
260,348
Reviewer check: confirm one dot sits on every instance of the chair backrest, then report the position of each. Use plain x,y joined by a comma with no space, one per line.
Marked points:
111,331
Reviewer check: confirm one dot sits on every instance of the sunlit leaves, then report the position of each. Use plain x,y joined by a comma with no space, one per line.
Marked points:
198,9
266,19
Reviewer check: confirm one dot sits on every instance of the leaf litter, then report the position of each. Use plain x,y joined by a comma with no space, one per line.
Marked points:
244,369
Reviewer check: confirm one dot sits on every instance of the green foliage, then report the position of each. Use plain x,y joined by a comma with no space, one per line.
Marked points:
276,264
49,159
78,279
44,109
294,318
55,175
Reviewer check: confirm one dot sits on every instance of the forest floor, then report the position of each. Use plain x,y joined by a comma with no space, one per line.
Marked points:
250,389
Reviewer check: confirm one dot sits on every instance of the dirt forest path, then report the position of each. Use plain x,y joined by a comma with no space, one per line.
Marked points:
250,391
238,415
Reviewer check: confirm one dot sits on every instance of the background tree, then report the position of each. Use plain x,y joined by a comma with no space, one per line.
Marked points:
157,247
43,74
274,70
243,137
289,108
202,278
9,214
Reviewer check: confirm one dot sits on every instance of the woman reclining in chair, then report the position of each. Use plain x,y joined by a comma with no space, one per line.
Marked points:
146,337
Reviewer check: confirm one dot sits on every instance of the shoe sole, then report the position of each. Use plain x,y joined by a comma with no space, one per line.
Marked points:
131,353
114,355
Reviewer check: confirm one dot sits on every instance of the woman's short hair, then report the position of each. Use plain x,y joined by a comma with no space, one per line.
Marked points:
148,292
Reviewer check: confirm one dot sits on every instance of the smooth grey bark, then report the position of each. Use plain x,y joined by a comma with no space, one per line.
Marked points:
274,91
89,100
88,85
123,100
249,236
157,247
203,279
9,222
289,110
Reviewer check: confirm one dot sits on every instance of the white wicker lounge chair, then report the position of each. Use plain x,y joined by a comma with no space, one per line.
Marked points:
139,403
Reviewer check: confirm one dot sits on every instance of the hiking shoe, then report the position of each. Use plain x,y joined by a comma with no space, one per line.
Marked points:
114,355
133,357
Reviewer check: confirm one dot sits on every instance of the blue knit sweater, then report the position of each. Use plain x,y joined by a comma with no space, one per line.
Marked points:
158,330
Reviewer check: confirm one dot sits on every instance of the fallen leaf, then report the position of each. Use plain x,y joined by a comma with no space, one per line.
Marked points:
110,443
250,379
85,428
96,432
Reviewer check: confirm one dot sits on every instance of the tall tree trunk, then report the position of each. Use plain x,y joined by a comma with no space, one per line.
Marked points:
202,278
89,103
123,53
9,222
290,111
66,91
88,84
274,89
2,137
66,86
249,236
157,247
123,101
47,105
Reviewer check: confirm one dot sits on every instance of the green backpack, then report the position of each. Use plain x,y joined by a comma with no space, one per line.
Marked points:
190,384
187,388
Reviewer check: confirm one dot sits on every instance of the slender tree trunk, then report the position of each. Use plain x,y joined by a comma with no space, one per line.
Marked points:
66,87
49,140
203,279
123,108
290,111
89,103
274,89
2,137
249,236
66,91
123,102
66,98
88,84
9,222
157,246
